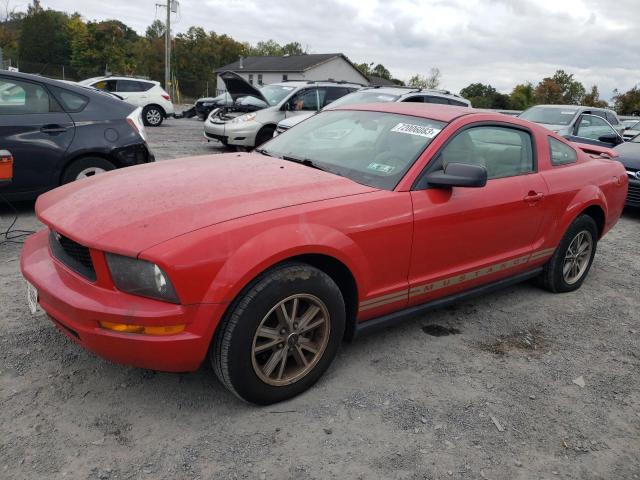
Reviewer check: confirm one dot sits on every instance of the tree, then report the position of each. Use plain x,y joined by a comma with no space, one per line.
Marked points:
155,30
273,48
548,92
561,88
592,99
44,37
485,96
522,96
428,81
627,103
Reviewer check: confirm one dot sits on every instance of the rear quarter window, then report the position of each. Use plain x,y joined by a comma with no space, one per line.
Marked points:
71,101
561,153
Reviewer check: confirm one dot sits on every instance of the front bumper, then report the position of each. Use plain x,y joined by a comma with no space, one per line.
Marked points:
76,305
241,135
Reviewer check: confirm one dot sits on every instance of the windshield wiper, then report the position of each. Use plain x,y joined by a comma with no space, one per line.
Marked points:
264,152
304,161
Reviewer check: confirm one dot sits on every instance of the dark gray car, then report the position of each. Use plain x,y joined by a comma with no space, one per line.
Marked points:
59,132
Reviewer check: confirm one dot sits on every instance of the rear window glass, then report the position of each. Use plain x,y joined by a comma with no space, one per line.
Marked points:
561,154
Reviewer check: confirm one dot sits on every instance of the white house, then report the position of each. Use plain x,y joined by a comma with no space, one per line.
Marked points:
260,71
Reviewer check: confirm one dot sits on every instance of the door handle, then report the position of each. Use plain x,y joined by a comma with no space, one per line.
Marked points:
51,129
533,197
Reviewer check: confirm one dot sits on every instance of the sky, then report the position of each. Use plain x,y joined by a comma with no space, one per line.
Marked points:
499,42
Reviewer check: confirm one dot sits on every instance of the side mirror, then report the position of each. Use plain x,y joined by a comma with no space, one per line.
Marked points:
458,175
611,138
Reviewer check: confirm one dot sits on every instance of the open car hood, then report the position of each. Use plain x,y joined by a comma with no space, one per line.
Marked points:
239,87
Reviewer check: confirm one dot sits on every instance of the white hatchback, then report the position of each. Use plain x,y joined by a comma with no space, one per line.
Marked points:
148,94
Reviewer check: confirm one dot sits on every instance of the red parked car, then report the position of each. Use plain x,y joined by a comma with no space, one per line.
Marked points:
351,221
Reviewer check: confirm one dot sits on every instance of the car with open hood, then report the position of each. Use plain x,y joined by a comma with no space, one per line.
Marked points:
355,219
234,127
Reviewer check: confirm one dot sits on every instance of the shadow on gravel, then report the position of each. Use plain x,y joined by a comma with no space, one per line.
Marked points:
439,330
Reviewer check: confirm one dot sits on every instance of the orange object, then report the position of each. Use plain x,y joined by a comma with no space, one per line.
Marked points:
128,328
6,167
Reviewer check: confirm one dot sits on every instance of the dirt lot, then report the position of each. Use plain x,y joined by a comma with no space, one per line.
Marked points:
481,390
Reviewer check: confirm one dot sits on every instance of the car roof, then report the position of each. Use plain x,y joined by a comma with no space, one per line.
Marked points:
303,83
577,107
442,113
116,77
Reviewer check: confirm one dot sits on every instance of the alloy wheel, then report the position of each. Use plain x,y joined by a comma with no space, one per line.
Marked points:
290,339
154,117
577,257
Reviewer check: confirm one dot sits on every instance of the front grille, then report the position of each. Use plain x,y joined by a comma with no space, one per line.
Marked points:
75,256
633,195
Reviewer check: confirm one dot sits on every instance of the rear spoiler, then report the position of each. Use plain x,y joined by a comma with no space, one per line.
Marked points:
597,152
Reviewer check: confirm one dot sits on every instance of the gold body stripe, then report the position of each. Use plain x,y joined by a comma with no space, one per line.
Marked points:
451,281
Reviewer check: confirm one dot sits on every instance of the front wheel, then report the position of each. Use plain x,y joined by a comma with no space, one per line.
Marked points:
152,116
572,260
280,335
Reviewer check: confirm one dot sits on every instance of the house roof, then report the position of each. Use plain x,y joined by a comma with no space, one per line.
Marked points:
376,81
290,63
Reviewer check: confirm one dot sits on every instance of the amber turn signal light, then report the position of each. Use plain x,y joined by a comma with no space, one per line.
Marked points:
141,329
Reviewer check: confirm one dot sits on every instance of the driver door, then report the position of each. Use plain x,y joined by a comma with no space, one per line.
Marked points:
594,130
464,237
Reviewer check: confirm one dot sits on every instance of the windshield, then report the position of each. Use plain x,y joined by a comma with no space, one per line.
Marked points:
369,96
631,124
275,93
635,139
371,148
550,115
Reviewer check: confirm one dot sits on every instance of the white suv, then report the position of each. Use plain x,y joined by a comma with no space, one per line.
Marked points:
155,101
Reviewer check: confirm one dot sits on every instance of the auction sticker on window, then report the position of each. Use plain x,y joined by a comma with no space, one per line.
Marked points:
380,167
420,130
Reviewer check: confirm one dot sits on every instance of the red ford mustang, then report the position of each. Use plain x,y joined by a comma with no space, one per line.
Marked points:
351,221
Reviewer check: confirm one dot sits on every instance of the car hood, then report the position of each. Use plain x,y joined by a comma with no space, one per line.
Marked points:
239,87
131,209
294,120
629,154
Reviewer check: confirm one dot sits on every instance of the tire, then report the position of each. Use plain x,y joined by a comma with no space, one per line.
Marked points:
85,167
264,135
235,354
554,277
152,116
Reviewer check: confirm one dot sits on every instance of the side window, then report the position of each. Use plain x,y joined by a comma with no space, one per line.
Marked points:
305,100
593,127
439,100
457,103
22,98
333,93
71,101
415,99
561,153
612,119
504,152
129,86
106,85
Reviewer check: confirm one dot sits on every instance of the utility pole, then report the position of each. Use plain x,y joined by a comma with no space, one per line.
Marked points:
171,6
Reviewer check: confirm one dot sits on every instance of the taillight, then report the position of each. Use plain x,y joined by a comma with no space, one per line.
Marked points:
135,121
166,97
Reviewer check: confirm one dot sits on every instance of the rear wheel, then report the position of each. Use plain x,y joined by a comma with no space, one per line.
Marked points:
281,334
85,168
572,260
152,116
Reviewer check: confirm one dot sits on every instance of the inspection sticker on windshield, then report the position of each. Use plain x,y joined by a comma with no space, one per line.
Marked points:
379,167
420,130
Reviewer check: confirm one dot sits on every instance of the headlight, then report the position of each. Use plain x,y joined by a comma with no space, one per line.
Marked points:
140,277
244,118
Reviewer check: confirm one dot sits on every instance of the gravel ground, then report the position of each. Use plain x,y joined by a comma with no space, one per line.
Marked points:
521,384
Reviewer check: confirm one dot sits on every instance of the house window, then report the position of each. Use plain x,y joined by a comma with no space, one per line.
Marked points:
259,79
285,77
251,78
